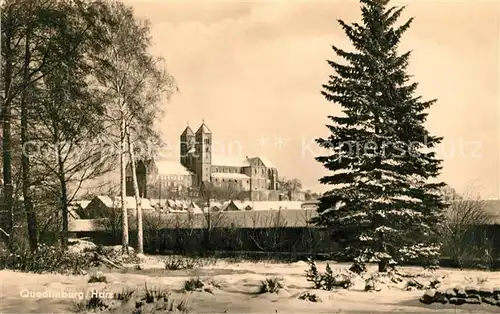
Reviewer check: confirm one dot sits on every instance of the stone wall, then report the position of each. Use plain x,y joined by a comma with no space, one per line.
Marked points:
460,295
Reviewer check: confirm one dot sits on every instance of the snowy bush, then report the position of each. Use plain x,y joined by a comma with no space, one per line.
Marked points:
47,259
180,262
270,285
328,280
193,284
97,277
310,297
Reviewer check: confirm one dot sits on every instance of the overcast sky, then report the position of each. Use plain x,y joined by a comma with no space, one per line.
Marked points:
253,71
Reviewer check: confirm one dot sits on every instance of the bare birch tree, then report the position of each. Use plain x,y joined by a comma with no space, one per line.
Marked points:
136,84
138,198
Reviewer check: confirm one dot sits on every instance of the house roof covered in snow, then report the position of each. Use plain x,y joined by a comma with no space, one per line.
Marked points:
217,206
168,167
72,211
130,202
82,203
178,206
240,162
229,161
106,200
264,160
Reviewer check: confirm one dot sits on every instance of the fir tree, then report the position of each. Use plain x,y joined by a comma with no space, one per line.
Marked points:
383,205
313,275
329,281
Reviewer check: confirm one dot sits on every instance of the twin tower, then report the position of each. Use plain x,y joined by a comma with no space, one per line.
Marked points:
196,152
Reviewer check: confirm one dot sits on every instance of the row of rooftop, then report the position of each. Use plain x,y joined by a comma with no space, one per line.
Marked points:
86,209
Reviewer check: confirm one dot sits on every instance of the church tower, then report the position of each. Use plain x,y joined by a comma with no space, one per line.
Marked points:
203,154
188,143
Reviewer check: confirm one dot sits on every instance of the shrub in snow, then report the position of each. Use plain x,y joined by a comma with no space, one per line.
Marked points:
47,259
97,277
180,262
271,285
193,284
94,304
310,297
153,300
125,295
328,280
358,268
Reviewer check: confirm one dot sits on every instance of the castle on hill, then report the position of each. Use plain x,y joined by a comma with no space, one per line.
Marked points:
256,175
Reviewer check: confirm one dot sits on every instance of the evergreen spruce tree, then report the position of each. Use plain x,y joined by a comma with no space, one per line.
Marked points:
383,205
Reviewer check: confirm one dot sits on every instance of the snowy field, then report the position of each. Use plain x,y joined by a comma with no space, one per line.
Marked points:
234,289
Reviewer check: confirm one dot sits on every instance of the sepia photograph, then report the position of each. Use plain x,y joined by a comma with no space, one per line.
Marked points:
250,156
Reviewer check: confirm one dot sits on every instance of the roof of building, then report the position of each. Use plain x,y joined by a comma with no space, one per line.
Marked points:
242,205
106,200
130,202
168,167
82,203
187,132
194,208
203,129
224,175
157,201
265,161
178,206
240,162
217,205
229,161
72,211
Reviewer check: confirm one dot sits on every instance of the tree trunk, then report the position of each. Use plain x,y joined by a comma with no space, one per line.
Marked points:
64,193
205,193
25,162
65,220
140,238
123,190
7,206
383,266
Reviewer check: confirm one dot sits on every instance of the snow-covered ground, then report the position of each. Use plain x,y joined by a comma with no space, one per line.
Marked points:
237,284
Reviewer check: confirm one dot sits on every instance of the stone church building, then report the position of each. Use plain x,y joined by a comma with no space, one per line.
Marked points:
256,174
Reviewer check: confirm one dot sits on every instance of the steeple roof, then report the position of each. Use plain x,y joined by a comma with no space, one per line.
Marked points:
187,132
203,129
